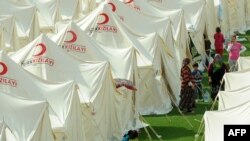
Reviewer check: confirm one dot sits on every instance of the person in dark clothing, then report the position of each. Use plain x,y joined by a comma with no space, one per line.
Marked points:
197,74
187,87
216,71
207,49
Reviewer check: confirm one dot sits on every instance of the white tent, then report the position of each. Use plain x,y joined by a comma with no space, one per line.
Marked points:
123,65
243,63
27,26
215,120
88,6
177,22
96,89
199,18
122,61
247,6
27,120
9,40
47,12
233,15
113,33
229,99
2,131
65,112
70,9
236,80
195,13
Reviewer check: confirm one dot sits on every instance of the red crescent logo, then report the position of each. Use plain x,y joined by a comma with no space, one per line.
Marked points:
106,18
5,69
113,6
74,37
43,49
129,1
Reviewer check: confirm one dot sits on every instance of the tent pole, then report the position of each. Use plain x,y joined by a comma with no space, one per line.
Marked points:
152,129
181,111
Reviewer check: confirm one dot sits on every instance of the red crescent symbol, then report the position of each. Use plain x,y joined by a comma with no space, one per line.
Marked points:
129,1
5,69
74,37
106,18
113,6
42,45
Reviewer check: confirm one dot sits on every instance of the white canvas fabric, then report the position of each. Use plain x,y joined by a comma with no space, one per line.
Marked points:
215,121
233,16
148,8
16,114
88,6
195,18
122,37
70,9
230,99
96,88
163,26
243,63
2,131
236,80
9,39
27,26
247,8
122,61
65,112
47,12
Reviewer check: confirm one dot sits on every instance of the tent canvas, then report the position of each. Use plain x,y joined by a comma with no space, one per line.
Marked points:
176,17
70,10
122,38
27,27
230,99
96,89
122,62
15,113
2,131
215,120
196,15
243,63
64,113
236,80
9,40
47,12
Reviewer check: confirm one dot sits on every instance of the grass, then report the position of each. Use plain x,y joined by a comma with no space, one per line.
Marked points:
174,126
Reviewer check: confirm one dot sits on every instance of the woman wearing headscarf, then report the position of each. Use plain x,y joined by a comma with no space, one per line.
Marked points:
187,87
216,71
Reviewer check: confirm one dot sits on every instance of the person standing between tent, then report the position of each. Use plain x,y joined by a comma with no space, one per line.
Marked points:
197,74
235,49
218,41
187,87
216,71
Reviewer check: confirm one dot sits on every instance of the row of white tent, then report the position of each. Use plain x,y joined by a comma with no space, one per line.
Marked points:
234,103
195,17
23,20
92,57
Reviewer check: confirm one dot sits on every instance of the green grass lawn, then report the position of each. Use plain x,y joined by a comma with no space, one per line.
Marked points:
174,126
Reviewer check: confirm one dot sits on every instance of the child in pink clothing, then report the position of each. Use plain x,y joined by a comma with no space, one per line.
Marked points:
234,49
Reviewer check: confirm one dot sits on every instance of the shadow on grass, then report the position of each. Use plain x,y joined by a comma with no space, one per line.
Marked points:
200,108
167,133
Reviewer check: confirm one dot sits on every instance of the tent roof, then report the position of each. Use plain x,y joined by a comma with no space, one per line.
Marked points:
15,113
215,120
229,99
